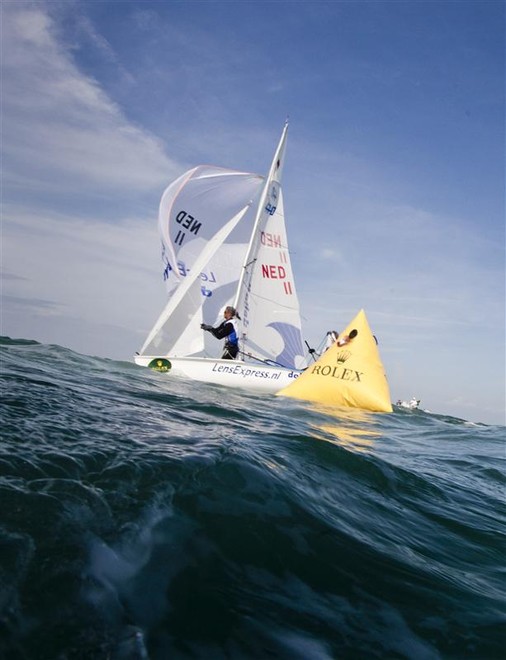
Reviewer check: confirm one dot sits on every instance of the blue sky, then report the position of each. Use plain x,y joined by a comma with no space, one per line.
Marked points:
394,179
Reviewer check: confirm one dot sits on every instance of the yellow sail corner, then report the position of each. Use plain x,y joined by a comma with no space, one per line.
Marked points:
346,375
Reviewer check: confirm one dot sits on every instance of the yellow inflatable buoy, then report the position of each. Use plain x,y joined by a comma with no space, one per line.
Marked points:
350,373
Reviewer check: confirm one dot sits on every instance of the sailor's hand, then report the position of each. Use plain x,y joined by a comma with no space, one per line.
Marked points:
204,326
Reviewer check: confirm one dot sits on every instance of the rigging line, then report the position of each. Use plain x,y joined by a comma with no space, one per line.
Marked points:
265,299
311,351
249,264
268,362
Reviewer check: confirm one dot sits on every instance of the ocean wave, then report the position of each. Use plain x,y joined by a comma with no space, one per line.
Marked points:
150,517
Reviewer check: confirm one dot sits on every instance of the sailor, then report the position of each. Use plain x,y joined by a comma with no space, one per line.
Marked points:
228,328
331,338
347,338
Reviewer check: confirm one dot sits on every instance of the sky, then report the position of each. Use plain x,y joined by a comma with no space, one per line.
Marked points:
394,180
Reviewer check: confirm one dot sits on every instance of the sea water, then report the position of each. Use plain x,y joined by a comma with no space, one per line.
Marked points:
144,516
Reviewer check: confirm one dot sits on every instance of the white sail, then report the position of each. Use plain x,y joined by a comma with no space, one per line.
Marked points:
224,242
185,304
193,212
267,298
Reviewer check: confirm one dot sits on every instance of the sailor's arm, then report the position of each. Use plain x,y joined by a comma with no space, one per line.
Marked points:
221,331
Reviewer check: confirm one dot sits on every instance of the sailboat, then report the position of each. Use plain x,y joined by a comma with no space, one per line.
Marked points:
224,242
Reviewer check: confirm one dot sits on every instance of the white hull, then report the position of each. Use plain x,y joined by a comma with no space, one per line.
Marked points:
229,373
414,404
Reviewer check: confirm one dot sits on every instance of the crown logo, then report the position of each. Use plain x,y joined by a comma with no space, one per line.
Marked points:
342,356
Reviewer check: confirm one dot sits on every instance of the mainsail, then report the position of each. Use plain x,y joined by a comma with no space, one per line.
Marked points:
267,296
224,242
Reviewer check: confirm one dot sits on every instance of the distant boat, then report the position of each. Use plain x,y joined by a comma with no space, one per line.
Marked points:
412,404
224,242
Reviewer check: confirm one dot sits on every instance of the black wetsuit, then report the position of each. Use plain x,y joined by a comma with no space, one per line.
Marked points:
227,329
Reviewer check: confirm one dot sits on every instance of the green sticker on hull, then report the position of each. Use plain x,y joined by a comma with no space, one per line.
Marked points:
160,364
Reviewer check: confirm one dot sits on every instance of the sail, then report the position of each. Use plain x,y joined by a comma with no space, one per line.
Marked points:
267,298
205,221
186,301
351,375
224,242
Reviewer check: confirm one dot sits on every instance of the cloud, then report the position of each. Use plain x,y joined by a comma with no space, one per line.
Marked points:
79,184
89,267
37,305
6,276
60,129
413,266
329,254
